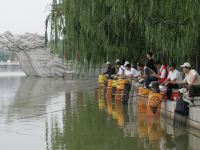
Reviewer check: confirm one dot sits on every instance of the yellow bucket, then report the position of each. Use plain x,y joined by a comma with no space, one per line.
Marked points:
102,78
115,83
143,91
155,99
121,83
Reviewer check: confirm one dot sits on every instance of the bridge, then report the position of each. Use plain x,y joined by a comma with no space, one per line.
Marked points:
34,57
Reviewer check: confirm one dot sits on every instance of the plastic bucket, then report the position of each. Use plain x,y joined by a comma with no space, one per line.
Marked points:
101,79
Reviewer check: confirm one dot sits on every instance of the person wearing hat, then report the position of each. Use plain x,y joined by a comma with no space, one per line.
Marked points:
110,70
126,63
191,76
191,81
119,67
174,76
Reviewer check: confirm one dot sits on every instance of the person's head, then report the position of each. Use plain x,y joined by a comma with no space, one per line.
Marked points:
186,67
149,55
158,64
107,64
126,63
140,66
117,64
128,67
172,67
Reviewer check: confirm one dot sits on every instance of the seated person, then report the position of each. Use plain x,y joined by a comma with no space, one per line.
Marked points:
110,70
192,79
146,75
121,68
162,75
140,69
171,81
130,72
163,72
149,76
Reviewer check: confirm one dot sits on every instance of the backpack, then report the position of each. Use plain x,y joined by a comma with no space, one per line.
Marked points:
182,107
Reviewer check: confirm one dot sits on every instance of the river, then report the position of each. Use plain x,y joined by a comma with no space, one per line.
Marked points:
61,114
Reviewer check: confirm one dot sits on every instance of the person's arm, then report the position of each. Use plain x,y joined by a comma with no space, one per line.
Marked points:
194,78
162,76
166,81
107,71
182,82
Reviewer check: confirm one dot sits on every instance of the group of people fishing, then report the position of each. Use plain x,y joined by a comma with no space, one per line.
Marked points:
157,75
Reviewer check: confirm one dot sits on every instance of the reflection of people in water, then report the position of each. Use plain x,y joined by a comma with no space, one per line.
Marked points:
127,89
154,129
119,113
101,101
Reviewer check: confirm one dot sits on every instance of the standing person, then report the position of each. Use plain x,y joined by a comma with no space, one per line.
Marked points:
150,62
171,81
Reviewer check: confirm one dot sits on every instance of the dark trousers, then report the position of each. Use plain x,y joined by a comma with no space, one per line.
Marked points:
148,80
169,89
194,90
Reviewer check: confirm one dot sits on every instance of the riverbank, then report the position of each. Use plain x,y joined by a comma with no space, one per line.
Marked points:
193,120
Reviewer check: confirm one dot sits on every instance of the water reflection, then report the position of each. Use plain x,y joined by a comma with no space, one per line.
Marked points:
60,114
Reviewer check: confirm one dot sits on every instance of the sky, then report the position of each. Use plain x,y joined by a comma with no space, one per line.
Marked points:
20,16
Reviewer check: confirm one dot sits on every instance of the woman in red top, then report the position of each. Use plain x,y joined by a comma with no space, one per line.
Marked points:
162,72
162,76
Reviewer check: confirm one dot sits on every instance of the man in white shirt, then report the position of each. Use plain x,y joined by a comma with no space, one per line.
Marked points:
130,72
192,79
121,68
172,79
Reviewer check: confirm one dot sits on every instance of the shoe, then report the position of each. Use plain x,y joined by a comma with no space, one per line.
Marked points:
183,90
188,101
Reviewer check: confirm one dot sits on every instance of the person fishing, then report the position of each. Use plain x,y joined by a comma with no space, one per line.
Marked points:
191,82
170,83
110,70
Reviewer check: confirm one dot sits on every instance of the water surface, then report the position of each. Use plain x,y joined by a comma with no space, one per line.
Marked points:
60,114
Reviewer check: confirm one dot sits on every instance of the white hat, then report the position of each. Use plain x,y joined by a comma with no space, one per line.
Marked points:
117,60
186,64
126,63
107,63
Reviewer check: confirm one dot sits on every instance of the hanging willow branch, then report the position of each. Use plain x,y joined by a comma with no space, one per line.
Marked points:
95,30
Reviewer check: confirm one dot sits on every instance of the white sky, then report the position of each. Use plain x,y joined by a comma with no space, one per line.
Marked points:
20,16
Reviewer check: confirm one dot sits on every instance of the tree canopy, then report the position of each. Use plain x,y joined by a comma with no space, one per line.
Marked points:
93,31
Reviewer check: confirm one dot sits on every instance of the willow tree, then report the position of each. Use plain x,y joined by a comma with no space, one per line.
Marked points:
95,30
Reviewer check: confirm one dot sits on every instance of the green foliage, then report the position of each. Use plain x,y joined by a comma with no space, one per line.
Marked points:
96,30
